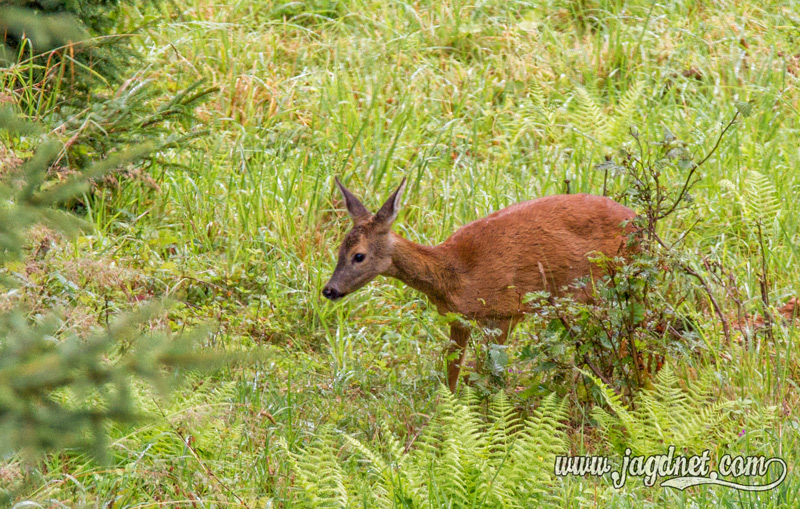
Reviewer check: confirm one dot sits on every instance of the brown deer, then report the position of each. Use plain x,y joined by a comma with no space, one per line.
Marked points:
484,269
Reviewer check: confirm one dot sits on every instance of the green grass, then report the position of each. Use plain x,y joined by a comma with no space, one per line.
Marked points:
480,105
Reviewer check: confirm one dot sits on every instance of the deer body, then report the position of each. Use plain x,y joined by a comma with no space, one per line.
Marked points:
484,270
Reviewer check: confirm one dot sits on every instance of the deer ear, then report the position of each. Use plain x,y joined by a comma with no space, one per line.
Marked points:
388,212
358,212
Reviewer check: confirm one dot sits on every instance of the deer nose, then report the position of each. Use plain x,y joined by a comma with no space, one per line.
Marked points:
330,293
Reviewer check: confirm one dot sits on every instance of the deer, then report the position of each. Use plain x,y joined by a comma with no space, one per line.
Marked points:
483,271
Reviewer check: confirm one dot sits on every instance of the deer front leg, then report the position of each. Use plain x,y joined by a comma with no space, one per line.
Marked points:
459,336
504,325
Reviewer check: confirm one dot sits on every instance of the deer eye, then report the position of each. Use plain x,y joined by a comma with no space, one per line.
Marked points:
359,257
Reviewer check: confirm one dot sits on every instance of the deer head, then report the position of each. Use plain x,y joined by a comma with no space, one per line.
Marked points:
366,250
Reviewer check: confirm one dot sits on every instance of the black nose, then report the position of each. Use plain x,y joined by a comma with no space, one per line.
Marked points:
330,293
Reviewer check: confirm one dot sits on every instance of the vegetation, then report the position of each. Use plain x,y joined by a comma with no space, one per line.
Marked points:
460,461
480,105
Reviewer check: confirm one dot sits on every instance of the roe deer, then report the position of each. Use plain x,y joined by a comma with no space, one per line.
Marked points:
484,269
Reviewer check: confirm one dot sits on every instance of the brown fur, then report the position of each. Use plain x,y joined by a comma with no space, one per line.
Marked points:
484,269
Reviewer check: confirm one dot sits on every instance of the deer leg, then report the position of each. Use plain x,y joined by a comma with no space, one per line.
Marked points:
459,336
505,326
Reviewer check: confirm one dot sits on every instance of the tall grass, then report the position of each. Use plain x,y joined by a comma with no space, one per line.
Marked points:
480,105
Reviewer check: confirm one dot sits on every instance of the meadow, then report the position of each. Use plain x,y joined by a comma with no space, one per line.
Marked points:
479,104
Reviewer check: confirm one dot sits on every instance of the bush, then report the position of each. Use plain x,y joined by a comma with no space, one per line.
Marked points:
633,321
65,65
60,391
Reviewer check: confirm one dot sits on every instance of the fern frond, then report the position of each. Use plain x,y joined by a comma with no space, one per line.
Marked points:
624,418
537,95
505,426
689,419
317,472
760,198
378,463
465,457
625,110
589,118
538,444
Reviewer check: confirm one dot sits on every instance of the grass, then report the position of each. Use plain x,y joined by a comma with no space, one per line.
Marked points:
480,105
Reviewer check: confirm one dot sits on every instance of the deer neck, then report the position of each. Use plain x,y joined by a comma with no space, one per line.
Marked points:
428,269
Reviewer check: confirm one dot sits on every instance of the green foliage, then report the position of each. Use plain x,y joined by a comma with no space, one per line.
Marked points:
630,323
692,419
760,199
62,390
27,32
137,113
317,472
463,458
73,33
32,199
94,14
74,72
605,128
632,320
242,230
307,13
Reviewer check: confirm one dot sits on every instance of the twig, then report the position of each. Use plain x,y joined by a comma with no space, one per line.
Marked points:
599,374
208,471
696,166
717,309
763,283
417,434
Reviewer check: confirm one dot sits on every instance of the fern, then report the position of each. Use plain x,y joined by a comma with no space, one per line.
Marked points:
605,128
690,419
534,117
761,202
540,441
193,418
625,110
464,458
758,201
317,472
537,95
730,187
590,118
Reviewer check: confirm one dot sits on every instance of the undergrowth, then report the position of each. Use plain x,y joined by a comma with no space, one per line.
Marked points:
480,105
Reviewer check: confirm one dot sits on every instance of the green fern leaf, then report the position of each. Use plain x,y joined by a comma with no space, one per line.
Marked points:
760,198
589,118
625,110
